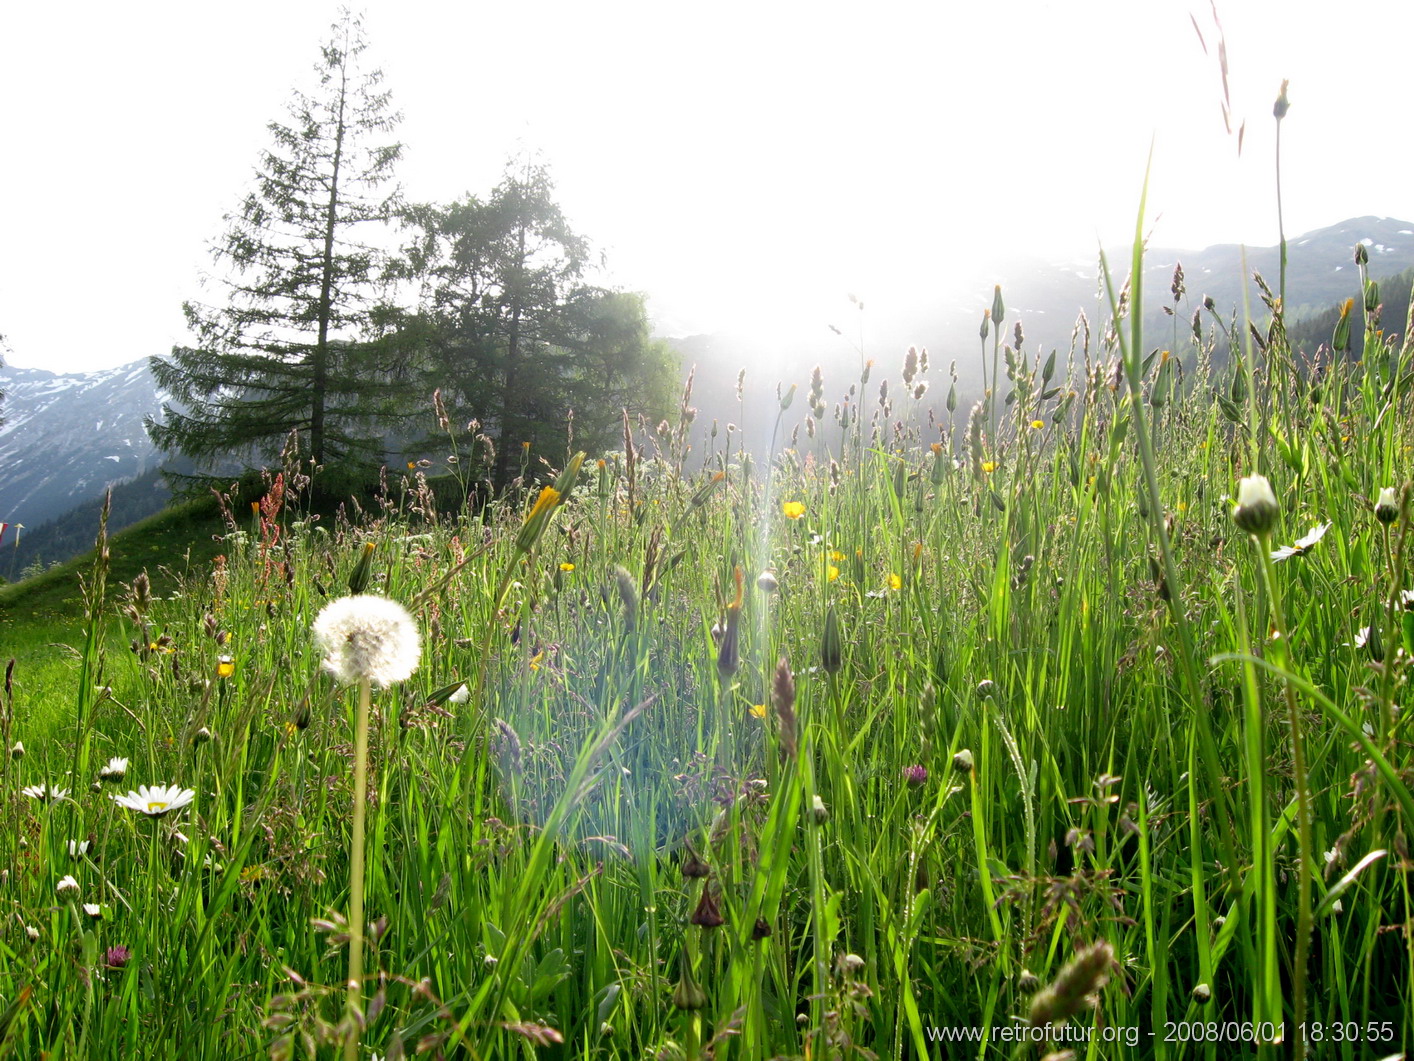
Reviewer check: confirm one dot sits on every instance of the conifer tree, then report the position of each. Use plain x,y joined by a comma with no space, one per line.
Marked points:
289,348
518,337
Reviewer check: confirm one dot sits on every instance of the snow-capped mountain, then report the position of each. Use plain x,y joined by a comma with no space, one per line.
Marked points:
66,436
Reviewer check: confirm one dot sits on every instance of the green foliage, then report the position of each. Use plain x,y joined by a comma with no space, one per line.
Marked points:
1034,715
286,351
1393,291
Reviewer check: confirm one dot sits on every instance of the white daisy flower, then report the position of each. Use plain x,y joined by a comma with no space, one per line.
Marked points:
113,769
365,637
155,801
93,910
1303,545
77,849
45,792
66,884
461,696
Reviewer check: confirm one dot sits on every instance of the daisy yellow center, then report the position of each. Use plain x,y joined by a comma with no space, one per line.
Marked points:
155,806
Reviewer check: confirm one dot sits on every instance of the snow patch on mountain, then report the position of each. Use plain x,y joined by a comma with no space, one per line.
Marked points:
67,436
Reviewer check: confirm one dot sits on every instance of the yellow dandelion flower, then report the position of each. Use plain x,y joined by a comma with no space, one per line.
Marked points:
225,666
758,710
989,466
832,573
567,567
894,581
837,556
412,465
548,498
793,509
1038,424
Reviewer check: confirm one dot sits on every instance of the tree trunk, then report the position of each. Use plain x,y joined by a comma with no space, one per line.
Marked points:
319,363
510,379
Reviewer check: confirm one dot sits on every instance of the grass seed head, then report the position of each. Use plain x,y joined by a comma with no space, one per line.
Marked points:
1074,988
628,597
783,698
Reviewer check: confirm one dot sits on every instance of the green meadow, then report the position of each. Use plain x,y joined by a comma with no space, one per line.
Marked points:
986,732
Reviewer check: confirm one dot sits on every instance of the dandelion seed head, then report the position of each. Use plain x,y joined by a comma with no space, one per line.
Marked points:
367,637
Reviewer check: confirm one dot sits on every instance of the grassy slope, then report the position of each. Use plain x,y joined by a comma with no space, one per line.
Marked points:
42,618
167,545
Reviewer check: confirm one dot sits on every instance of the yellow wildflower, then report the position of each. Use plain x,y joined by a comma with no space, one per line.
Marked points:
989,466
793,509
225,666
758,710
1038,424
832,573
567,567
894,581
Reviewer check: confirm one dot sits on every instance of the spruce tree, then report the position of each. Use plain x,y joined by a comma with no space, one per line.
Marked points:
516,335
289,350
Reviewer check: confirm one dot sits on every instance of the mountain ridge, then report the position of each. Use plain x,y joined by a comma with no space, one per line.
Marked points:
68,436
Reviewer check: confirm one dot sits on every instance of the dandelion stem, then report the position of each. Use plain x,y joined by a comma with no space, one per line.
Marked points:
356,872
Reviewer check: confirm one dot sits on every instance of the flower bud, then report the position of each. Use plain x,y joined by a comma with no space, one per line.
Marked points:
1282,105
363,570
687,995
831,650
818,809
962,761
708,914
1387,507
1256,510
693,868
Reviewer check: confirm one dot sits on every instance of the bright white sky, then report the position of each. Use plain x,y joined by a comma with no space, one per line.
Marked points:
744,164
